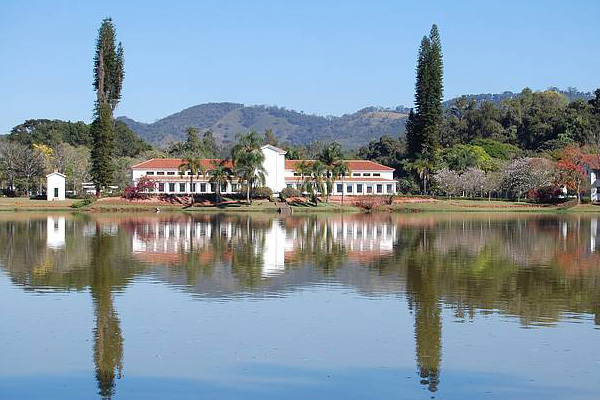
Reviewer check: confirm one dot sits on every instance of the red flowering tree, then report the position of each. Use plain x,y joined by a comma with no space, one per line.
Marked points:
141,190
571,170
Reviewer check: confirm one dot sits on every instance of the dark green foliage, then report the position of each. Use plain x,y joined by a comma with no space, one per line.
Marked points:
387,151
54,132
103,132
127,143
503,151
424,127
108,66
108,80
50,133
194,146
331,154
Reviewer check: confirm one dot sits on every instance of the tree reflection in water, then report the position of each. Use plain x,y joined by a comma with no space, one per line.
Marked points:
108,340
534,268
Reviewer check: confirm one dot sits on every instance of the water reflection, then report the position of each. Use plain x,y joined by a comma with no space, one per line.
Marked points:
535,268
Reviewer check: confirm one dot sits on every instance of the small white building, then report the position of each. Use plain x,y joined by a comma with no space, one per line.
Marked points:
55,186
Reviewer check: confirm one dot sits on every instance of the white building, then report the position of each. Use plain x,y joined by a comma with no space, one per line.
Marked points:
56,232
55,186
366,177
593,171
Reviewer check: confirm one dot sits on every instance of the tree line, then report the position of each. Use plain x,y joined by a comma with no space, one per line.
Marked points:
535,143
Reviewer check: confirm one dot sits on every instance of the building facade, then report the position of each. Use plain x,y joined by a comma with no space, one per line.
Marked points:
592,166
55,186
366,177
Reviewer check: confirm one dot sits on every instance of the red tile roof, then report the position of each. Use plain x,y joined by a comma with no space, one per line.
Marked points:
355,165
174,163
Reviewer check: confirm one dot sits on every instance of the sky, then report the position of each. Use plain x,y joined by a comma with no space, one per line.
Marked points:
321,57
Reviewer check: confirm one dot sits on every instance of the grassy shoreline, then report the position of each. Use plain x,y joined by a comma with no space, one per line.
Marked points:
22,205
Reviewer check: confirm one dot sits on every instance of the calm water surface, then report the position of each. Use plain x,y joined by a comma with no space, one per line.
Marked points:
320,307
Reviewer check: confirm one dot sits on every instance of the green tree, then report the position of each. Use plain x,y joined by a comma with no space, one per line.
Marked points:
102,131
108,66
108,81
248,160
387,151
340,170
423,130
194,166
313,182
219,174
423,166
330,156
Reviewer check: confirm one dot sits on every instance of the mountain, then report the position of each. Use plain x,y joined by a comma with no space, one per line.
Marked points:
226,120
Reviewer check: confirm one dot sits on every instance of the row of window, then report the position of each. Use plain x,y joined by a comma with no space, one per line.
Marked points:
378,188
204,187
167,173
353,174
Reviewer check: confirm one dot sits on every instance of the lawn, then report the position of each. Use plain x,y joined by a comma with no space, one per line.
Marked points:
487,206
25,204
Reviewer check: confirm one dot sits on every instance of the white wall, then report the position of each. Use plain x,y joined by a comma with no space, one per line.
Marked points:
274,165
274,251
53,181
56,232
594,193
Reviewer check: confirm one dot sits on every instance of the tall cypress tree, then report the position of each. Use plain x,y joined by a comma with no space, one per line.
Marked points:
108,81
102,131
436,89
423,128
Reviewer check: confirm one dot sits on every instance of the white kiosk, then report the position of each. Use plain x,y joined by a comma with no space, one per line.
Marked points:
55,186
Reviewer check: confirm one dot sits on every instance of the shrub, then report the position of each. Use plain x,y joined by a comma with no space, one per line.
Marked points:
141,190
408,186
289,192
262,192
82,203
546,194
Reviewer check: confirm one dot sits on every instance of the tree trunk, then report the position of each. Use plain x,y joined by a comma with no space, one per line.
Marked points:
248,192
191,192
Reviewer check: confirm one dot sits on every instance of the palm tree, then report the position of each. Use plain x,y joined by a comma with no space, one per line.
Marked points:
248,160
303,168
340,170
313,183
250,170
194,165
330,156
423,166
219,174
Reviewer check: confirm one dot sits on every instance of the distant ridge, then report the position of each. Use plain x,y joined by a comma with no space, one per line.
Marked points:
226,120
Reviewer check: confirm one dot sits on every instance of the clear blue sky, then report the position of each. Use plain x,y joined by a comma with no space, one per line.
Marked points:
324,57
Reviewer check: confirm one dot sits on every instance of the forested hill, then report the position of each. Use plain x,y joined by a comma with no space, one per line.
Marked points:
226,120
571,94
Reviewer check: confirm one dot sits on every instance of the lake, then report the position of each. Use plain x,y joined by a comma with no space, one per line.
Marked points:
354,306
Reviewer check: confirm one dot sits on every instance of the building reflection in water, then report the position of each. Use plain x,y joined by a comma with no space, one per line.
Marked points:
56,232
468,265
